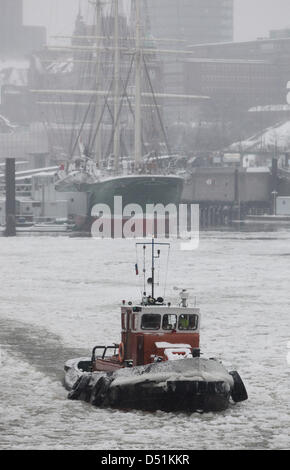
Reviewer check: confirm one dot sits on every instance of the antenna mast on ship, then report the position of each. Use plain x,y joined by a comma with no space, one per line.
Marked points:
152,244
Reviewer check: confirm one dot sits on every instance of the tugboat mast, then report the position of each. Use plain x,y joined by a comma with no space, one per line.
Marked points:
153,258
153,268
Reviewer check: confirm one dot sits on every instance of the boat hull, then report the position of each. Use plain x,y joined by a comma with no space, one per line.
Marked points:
134,189
141,190
189,385
180,395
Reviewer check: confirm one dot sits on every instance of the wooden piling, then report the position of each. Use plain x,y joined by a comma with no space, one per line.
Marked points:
10,230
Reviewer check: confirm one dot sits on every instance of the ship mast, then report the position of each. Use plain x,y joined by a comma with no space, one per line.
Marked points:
116,96
138,62
116,87
98,139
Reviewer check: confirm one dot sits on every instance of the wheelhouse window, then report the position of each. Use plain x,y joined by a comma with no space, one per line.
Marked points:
188,322
169,322
151,322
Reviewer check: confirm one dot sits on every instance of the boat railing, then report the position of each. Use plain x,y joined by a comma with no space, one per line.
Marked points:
104,350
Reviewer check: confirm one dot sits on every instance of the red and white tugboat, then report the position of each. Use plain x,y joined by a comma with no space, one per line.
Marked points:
157,365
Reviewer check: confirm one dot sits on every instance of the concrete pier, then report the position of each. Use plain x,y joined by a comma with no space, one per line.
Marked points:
228,194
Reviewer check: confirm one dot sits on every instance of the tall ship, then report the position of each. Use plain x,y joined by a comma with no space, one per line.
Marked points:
118,144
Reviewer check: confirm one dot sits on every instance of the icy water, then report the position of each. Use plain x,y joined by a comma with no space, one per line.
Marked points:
59,297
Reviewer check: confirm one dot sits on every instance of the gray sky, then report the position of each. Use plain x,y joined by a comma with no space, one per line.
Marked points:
253,18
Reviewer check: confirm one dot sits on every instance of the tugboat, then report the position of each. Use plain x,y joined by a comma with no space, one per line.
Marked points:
158,364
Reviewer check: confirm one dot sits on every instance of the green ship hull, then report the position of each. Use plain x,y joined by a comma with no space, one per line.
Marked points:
141,190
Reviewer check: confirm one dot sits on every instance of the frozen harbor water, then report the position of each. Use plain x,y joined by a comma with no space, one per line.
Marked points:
59,297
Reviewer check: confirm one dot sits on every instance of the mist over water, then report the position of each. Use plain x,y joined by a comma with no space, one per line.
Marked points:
60,297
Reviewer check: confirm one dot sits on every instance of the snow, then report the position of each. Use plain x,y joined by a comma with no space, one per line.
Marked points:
276,137
170,345
14,73
258,169
176,351
177,354
270,108
288,355
15,64
225,61
61,67
196,369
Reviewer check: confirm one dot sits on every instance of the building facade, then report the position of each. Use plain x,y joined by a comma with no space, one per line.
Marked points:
246,83
193,21
16,39
240,75
177,24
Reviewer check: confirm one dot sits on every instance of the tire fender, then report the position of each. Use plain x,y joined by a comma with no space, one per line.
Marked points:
100,391
79,387
238,392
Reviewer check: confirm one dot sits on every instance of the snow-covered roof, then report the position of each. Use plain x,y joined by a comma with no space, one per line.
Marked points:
4,122
270,108
226,61
276,137
15,64
14,72
66,66
235,43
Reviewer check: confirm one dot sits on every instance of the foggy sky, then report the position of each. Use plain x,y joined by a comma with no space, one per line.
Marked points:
253,18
